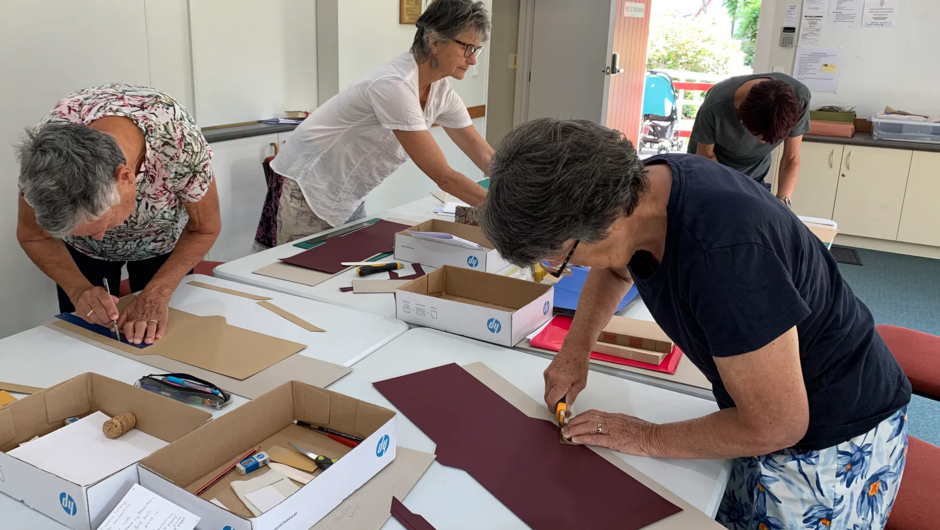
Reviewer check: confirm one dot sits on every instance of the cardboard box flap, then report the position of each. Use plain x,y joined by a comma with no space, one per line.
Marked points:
7,427
475,286
369,418
468,232
184,461
157,416
69,399
336,411
311,405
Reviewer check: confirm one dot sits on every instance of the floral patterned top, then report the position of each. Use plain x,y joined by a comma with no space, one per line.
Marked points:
175,170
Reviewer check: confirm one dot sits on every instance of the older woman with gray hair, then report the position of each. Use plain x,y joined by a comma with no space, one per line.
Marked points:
812,403
116,175
351,143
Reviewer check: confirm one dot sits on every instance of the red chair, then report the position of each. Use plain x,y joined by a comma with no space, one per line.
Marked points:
203,267
919,356
916,507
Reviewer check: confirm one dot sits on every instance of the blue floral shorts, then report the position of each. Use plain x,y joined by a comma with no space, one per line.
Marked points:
849,486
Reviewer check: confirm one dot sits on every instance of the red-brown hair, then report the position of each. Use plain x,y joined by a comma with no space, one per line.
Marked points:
770,110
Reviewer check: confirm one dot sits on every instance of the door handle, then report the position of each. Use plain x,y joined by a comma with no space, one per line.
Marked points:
831,155
276,148
615,64
848,161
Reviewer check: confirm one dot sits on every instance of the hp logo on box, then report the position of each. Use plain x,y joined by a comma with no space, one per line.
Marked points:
68,504
545,309
493,325
228,528
382,447
473,261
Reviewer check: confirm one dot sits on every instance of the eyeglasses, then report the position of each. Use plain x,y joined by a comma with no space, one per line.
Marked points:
469,49
560,271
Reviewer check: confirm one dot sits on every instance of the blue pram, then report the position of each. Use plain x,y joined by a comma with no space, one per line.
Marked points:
660,129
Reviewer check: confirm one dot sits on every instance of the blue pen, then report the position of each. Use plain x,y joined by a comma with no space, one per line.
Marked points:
190,384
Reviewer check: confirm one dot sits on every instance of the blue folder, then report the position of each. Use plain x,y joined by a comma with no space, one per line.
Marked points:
568,290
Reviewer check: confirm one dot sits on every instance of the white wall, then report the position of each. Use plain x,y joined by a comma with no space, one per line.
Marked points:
880,66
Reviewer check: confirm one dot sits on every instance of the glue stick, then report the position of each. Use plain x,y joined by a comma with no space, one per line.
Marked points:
253,463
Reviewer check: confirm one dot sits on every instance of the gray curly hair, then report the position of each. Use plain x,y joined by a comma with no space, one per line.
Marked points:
67,175
444,20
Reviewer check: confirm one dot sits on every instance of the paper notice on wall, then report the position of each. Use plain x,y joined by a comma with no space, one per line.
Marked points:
845,13
881,13
811,29
818,68
818,7
792,17
634,9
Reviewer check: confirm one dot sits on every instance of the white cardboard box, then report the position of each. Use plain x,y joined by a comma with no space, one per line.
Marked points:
436,254
487,307
73,505
185,465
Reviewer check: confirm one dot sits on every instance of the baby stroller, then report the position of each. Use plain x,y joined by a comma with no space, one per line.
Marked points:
660,114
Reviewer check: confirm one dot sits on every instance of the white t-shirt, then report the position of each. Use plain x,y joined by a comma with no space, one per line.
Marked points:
346,147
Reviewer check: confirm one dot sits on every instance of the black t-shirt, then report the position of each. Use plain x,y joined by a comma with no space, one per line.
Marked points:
739,270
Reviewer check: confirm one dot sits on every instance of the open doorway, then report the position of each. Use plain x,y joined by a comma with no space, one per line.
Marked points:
693,45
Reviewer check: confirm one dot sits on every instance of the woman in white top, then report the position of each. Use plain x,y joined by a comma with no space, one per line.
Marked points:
350,144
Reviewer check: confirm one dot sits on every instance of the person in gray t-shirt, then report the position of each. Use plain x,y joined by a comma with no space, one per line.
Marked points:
744,118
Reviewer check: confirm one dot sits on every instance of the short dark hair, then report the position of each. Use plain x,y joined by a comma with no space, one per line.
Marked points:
771,110
445,20
556,180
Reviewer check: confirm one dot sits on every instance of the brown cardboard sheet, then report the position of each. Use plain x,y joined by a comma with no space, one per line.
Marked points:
688,518
296,367
293,273
289,316
636,333
209,343
626,352
523,466
290,457
19,389
228,291
377,286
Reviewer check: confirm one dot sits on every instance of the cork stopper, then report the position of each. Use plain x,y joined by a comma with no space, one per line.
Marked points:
119,425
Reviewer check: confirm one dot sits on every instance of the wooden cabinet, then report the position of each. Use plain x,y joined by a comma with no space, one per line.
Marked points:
871,191
920,217
239,177
815,194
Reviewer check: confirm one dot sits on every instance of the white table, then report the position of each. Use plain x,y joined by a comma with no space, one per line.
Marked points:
43,357
452,499
242,270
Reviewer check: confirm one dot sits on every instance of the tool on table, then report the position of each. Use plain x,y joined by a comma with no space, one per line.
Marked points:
361,263
321,461
253,463
562,414
186,389
372,269
317,241
345,439
113,322
225,471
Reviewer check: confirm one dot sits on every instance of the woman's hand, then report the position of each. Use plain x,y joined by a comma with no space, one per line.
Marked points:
145,318
619,432
95,305
566,376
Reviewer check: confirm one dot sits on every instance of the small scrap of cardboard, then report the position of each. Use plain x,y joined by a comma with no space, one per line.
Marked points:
289,316
291,458
377,286
19,389
626,352
293,273
6,398
409,520
228,291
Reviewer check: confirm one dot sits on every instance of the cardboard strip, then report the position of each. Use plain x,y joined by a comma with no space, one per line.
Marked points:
19,389
289,316
301,368
291,273
525,464
376,286
228,291
409,520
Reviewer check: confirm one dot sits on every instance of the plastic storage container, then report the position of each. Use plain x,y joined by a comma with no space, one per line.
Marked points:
905,131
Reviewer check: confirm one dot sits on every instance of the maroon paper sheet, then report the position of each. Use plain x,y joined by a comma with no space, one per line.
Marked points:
419,272
518,459
357,246
407,519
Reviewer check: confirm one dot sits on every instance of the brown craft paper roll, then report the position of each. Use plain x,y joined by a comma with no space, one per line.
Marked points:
119,425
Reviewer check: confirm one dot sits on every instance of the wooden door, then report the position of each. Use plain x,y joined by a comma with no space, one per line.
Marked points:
820,166
631,39
871,191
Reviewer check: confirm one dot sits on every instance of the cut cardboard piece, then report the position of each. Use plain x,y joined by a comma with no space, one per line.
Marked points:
5,398
209,343
75,506
652,358
440,253
292,273
296,367
228,291
475,304
525,465
377,286
290,457
268,421
19,389
290,316
355,246
689,517
409,520
636,333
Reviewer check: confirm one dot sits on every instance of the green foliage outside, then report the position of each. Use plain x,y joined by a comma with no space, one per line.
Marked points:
694,46
746,16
